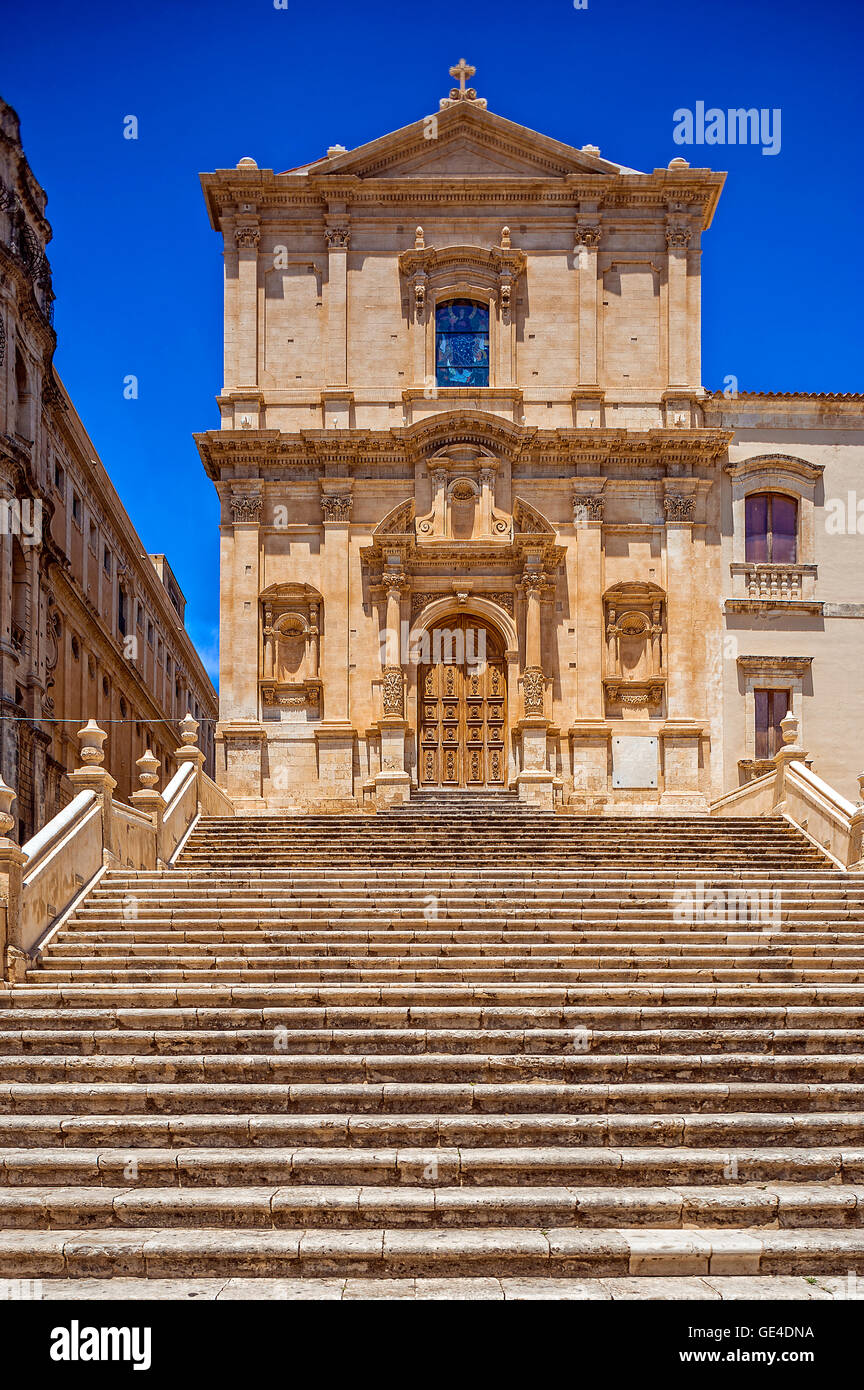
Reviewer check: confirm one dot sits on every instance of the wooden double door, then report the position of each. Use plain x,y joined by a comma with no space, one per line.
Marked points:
462,709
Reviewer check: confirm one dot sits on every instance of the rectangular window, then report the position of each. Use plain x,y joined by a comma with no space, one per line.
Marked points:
76,508
771,707
121,612
106,561
771,529
59,478
149,634
94,535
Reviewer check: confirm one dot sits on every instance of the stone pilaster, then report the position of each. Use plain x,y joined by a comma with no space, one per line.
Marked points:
681,734
392,783
335,734
338,237
585,252
246,239
240,732
535,782
677,242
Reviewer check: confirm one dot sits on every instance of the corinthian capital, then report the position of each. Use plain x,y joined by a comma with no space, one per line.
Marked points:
337,238
677,238
337,507
588,234
245,237
679,506
245,507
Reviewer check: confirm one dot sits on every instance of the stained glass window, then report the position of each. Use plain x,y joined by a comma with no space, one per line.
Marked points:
462,343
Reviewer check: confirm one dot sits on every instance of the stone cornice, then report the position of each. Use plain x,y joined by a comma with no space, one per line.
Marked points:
235,454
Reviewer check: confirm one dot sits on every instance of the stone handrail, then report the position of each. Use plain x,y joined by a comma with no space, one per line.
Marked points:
213,800
828,819
60,860
180,810
41,881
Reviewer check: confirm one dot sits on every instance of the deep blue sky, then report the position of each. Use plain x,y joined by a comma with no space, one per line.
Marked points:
137,270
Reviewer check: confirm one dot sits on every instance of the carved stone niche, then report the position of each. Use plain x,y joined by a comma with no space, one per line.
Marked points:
635,625
290,672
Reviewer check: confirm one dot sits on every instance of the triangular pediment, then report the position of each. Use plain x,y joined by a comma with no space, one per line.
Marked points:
464,141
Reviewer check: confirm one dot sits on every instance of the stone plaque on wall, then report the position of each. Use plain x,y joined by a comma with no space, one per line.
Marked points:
635,761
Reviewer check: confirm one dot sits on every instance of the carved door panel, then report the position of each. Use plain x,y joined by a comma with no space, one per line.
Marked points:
462,712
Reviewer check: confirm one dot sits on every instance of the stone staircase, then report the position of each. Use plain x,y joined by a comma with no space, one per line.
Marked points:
458,1049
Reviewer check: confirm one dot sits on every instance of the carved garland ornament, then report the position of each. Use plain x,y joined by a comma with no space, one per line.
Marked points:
421,600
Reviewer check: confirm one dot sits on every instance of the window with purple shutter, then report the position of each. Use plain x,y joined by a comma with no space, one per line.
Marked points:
771,529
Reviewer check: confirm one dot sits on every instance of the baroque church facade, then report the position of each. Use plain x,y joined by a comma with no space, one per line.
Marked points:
463,412
91,626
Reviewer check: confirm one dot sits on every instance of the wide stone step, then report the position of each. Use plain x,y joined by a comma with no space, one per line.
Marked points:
49,992
555,1252
653,1129
455,1068
234,969
607,1018
714,1288
427,1098
417,1042
467,1168
266,1205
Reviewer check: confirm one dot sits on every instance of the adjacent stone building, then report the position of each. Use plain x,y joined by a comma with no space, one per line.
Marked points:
462,403
90,626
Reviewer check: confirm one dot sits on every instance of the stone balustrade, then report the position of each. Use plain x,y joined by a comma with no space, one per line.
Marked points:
41,880
792,790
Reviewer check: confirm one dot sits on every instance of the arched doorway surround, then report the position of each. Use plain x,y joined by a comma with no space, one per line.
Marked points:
458,705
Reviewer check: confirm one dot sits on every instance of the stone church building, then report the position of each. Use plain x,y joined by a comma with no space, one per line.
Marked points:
483,527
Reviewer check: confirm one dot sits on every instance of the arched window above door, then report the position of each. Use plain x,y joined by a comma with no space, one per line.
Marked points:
462,343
